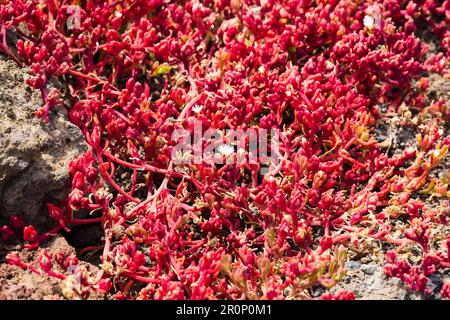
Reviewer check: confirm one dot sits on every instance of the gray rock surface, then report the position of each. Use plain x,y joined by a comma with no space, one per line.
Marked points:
34,156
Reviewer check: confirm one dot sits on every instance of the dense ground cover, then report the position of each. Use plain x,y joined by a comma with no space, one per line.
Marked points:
329,75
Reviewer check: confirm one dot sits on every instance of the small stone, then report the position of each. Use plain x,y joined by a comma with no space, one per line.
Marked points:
368,269
352,265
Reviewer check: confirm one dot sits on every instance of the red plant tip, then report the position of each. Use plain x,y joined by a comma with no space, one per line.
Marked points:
54,212
30,235
78,181
59,257
14,259
430,264
391,257
104,167
120,201
326,243
91,175
104,286
76,199
70,261
413,208
45,261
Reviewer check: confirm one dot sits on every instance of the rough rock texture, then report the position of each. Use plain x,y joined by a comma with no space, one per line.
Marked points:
34,156
18,284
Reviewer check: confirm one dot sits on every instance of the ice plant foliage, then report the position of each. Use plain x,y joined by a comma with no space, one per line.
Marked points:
324,73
